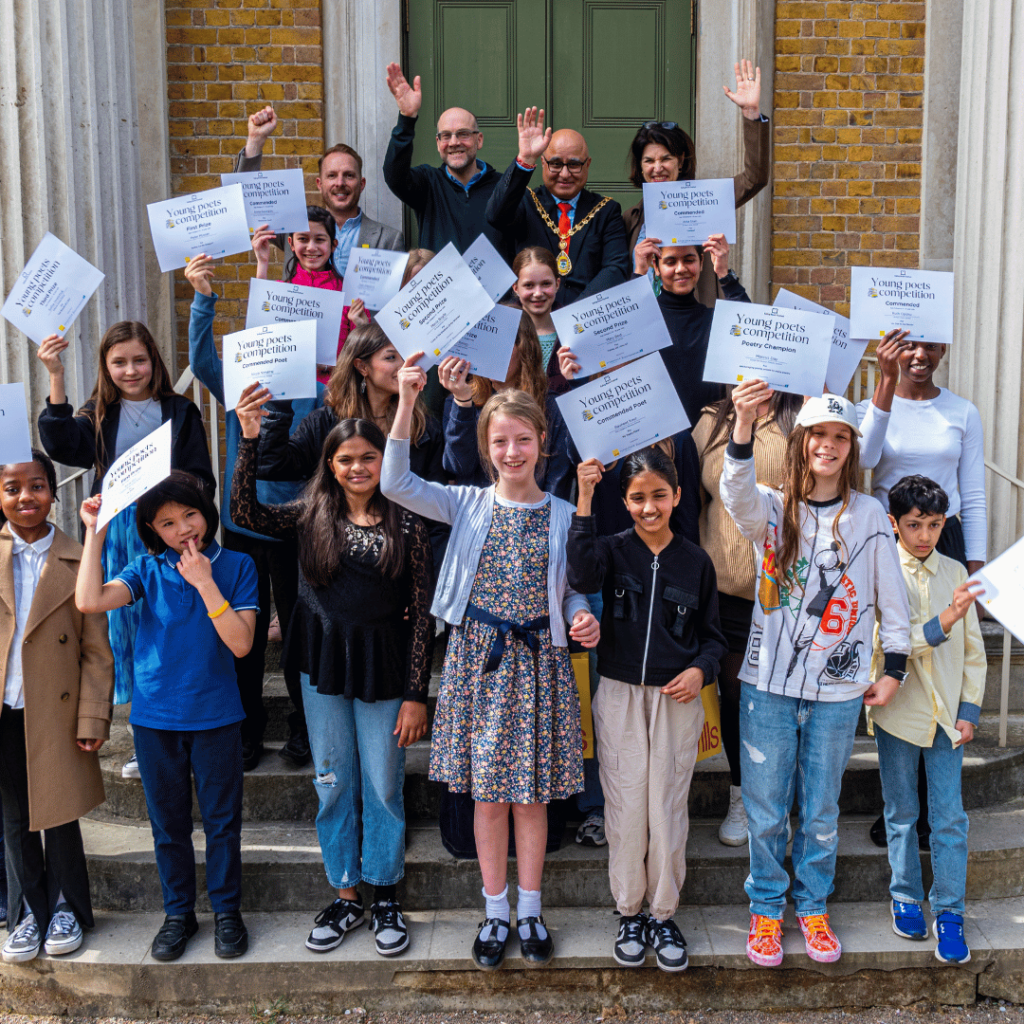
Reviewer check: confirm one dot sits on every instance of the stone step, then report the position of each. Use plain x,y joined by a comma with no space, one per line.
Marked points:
113,975
283,868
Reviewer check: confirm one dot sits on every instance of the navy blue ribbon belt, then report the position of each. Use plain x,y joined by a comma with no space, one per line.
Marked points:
525,631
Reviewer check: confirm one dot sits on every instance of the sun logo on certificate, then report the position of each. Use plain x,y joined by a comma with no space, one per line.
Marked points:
404,324
26,310
238,357
61,327
355,269
736,330
615,452
587,415
170,222
266,307
577,328
662,205
872,293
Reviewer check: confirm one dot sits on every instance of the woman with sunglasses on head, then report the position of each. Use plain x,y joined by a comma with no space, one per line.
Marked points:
662,151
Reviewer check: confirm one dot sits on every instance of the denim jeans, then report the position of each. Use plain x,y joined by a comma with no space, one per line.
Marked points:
355,756
591,800
897,764
793,745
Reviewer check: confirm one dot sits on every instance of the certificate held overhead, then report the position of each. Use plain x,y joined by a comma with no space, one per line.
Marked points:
212,222
374,275
274,198
282,358
278,302
917,301
689,212
143,466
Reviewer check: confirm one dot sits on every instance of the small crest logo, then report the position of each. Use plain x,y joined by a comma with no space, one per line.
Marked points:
60,327
615,452
26,310
170,222
238,357
872,293
662,205
735,330
266,307
355,269
587,415
404,324
577,329
834,406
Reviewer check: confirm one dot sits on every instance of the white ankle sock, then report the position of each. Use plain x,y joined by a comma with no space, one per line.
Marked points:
528,905
497,906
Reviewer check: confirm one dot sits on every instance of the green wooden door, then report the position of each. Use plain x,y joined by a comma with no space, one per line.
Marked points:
602,67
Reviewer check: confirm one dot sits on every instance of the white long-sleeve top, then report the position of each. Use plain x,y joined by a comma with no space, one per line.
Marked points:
940,438
812,636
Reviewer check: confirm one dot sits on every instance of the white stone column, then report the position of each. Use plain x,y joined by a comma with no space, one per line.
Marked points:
987,357
69,163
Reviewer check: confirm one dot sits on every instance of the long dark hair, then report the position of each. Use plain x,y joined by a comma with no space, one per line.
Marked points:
318,215
648,460
782,409
323,543
675,140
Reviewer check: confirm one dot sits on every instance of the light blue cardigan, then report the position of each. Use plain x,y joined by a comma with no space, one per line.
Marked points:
468,510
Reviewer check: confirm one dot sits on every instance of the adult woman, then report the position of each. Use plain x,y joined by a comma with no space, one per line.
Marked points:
662,151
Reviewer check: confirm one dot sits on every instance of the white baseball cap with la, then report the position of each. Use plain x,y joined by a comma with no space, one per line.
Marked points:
829,409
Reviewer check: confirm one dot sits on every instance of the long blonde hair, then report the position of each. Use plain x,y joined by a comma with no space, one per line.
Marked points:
517,404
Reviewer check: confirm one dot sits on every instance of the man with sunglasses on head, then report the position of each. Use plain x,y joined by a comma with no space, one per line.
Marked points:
449,201
583,230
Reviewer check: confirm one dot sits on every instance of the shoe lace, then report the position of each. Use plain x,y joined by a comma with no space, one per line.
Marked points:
336,910
667,933
63,922
28,929
631,929
766,927
817,926
386,915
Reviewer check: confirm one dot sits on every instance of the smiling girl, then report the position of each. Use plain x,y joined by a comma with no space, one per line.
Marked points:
536,287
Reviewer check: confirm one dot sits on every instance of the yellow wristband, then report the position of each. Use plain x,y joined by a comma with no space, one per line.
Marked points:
220,611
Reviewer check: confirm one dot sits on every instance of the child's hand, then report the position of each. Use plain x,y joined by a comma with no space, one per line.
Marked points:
585,629
964,596
412,722
686,686
262,240
411,379
194,566
199,273
90,511
49,352
453,372
646,252
357,315
746,397
250,411
89,746
966,729
889,350
877,695
718,249
568,366
588,475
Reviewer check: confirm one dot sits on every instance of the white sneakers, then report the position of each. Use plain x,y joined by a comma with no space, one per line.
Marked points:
733,830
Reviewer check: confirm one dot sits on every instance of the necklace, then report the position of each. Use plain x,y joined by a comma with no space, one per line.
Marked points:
563,261
143,407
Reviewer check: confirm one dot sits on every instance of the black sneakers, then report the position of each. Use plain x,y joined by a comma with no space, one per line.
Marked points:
230,936
388,926
171,940
667,941
630,947
331,924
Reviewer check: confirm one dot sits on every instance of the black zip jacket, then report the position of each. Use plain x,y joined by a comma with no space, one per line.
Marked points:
660,611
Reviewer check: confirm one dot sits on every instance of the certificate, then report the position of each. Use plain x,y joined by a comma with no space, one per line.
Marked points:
143,466
280,357
274,198
612,327
15,443
436,308
786,348
211,222
846,354
51,291
488,343
1003,579
624,411
374,275
489,268
275,302
689,212
918,301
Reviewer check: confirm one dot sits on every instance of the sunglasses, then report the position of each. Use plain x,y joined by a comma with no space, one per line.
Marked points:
667,125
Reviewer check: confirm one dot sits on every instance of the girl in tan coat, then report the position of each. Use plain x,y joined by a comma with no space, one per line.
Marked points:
58,677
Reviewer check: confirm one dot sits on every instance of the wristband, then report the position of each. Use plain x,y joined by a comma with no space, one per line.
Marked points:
898,674
525,166
220,611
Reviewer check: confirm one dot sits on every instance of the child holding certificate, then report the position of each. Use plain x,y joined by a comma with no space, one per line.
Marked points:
660,645
536,287
507,727
829,568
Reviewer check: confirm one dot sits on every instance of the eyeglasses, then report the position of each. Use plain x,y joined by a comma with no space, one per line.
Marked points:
574,167
667,125
462,135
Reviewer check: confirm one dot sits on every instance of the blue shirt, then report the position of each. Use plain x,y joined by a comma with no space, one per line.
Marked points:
572,206
184,673
347,235
481,169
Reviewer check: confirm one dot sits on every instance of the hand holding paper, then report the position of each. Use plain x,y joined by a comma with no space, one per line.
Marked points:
143,466
250,411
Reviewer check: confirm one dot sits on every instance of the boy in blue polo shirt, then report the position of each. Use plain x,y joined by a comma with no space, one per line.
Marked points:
199,605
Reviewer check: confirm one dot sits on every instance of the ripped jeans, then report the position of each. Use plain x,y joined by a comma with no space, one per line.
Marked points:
792,745
356,757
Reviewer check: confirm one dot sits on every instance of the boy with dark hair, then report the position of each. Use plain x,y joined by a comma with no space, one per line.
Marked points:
934,713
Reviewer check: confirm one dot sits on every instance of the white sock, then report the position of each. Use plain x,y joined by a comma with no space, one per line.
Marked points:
60,898
528,905
497,908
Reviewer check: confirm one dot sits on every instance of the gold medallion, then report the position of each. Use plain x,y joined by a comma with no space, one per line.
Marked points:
563,263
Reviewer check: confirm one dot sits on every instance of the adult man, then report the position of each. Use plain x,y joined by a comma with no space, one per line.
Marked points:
583,230
341,183
449,201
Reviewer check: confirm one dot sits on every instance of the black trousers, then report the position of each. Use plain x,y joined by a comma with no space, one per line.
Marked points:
32,874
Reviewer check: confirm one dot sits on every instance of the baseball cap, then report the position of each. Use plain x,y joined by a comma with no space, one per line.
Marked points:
829,409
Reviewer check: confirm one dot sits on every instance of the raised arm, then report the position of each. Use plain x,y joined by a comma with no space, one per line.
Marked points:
92,595
405,181
202,351
750,506
757,155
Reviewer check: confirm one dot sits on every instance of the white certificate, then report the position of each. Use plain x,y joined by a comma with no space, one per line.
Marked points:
15,443
612,327
918,301
489,268
488,344
846,353
51,291
211,222
786,348
143,466
624,411
689,212
374,275
1003,579
274,198
280,357
276,302
436,308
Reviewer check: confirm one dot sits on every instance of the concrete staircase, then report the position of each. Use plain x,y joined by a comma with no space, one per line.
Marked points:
284,886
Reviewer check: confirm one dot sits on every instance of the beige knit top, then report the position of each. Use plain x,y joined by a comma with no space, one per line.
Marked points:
736,563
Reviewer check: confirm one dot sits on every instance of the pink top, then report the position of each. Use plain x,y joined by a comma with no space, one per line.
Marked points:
329,280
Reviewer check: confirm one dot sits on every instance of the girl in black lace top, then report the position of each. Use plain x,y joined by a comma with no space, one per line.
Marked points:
362,637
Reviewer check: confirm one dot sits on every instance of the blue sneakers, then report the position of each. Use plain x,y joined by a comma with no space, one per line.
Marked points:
949,930
908,921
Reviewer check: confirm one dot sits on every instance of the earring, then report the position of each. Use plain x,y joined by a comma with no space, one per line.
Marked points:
362,386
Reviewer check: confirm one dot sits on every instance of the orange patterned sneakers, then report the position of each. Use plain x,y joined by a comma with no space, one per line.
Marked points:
764,941
821,942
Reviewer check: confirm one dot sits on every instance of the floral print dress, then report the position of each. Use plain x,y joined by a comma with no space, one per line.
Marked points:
512,734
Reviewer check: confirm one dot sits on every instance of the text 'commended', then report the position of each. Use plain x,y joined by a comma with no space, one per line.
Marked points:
276,302
274,198
282,358
689,212
918,301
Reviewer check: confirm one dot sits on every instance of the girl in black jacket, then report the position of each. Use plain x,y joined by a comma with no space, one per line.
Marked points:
660,645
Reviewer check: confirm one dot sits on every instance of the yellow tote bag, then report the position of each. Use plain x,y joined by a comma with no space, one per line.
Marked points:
581,668
711,735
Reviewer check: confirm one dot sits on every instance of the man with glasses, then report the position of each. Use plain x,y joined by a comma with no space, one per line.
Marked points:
449,201
583,230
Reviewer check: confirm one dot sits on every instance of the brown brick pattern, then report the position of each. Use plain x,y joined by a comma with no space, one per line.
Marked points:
226,59
849,82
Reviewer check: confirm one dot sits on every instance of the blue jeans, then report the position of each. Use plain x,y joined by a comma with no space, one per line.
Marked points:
897,764
793,745
355,756
591,800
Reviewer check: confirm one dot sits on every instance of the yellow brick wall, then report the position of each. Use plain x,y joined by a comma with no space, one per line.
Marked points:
849,82
226,59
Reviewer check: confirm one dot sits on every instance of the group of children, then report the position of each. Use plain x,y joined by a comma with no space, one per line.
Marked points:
398,524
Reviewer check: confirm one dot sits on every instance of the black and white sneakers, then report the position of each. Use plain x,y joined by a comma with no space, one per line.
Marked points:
388,926
667,941
331,924
630,947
